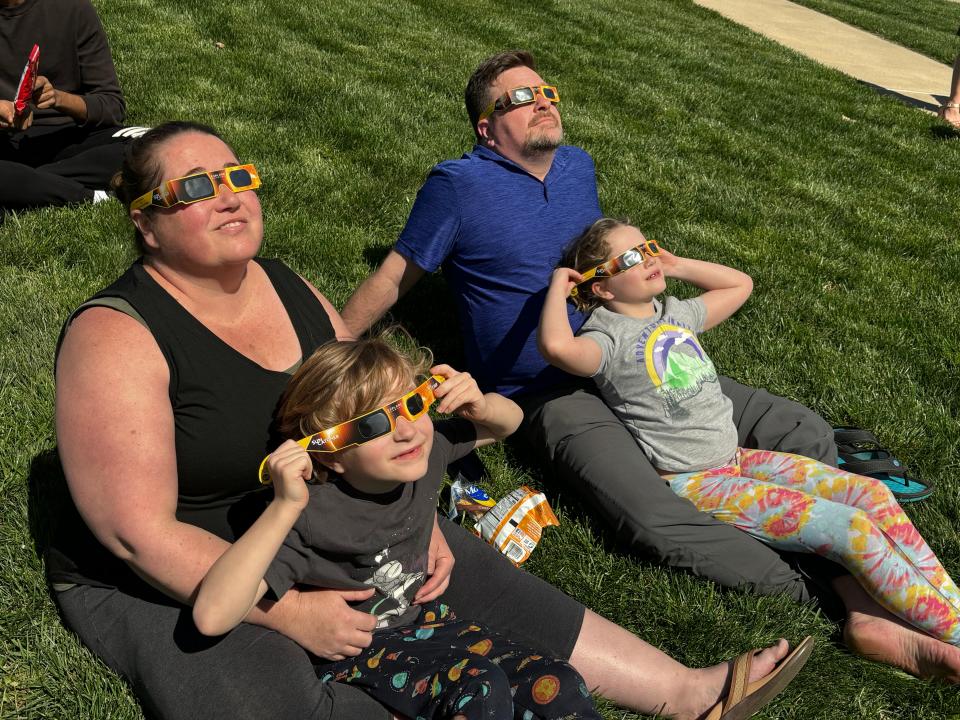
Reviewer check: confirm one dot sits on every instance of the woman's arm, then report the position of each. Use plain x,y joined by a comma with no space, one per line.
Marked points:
726,289
558,345
121,471
439,567
234,584
494,416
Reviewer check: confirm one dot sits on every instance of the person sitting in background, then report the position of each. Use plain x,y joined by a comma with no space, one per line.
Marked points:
66,147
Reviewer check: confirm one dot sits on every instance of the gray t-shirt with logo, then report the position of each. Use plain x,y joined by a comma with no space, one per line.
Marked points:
351,540
658,380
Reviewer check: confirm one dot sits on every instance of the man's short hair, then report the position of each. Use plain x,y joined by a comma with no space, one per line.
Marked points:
478,87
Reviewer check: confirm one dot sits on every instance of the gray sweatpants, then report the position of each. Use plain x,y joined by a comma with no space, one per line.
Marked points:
592,452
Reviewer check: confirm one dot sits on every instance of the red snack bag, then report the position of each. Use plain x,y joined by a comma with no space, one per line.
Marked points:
27,79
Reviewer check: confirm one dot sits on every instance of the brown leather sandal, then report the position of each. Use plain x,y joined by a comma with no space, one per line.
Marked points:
744,698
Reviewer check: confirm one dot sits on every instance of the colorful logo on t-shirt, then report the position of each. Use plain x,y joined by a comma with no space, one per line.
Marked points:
676,363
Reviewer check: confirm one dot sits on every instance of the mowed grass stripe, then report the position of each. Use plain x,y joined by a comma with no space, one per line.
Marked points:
927,26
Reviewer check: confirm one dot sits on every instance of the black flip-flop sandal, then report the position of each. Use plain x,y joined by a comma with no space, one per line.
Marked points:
862,454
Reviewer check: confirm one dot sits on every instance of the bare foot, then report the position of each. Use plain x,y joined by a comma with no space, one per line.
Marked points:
950,115
878,635
708,686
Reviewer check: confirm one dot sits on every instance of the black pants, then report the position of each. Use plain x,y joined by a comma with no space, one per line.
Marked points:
444,667
58,165
588,449
252,672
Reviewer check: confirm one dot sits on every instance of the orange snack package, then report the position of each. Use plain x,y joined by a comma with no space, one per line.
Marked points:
515,524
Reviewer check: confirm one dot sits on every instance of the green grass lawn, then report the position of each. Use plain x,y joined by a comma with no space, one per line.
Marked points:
927,26
840,203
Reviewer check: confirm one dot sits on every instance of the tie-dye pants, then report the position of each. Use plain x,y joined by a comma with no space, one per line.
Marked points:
447,667
797,504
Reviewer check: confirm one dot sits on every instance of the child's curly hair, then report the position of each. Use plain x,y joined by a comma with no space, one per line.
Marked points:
342,380
587,250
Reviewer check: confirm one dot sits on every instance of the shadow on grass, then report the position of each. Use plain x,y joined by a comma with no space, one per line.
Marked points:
944,132
427,312
47,501
59,533
906,99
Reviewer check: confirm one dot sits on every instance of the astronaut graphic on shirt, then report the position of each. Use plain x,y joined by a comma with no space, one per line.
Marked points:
394,584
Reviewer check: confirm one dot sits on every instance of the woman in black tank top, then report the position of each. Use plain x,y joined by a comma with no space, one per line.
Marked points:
167,382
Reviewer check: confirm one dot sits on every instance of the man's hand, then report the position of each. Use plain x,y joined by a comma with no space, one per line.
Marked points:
321,621
440,562
9,120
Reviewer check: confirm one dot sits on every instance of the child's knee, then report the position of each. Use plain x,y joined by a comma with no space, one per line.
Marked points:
551,688
878,490
860,522
482,689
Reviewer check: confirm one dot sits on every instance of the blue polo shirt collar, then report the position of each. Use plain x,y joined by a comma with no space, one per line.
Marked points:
559,160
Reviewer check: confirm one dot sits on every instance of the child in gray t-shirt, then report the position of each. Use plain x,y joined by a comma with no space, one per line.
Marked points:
649,366
369,525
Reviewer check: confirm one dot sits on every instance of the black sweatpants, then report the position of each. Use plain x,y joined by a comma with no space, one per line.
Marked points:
445,667
252,672
59,165
589,450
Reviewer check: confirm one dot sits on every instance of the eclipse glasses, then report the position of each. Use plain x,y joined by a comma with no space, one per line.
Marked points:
199,186
520,96
368,426
623,261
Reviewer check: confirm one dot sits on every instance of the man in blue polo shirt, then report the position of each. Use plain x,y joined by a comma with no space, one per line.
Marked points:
497,221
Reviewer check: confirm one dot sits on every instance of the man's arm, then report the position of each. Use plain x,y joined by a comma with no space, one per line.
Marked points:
89,93
380,291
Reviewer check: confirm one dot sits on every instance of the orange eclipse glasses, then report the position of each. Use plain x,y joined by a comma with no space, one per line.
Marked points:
199,186
520,96
623,261
369,426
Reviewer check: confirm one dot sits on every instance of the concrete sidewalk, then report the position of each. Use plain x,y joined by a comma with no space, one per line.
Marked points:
888,67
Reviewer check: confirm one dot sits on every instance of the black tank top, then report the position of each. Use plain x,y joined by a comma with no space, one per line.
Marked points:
223,408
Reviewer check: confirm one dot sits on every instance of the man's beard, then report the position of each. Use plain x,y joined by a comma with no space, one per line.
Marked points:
542,142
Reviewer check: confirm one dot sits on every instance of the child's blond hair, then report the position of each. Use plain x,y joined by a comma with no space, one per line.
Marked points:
586,251
342,380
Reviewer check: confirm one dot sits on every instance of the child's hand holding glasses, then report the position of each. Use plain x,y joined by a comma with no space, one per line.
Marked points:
290,468
495,416
459,394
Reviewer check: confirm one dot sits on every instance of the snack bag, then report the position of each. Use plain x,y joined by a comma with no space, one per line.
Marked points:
468,498
29,76
515,524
